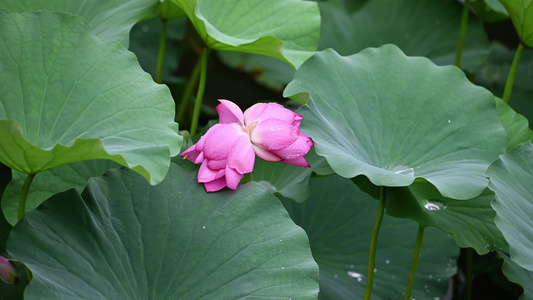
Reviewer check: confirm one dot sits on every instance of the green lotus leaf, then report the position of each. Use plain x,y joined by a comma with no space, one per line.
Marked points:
68,96
395,118
50,182
516,125
521,13
469,222
338,218
109,19
490,11
510,177
285,29
288,180
419,28
518,275
125,239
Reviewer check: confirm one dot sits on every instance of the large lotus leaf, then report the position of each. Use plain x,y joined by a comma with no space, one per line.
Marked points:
109,19
395,118
338,218
285,29
67,96
125,239
516,125
518,275
521,13
490,11
419,28
510,177
469,222
50,182
288,180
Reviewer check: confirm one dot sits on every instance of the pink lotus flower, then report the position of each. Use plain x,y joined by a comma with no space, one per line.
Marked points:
227,150
8,272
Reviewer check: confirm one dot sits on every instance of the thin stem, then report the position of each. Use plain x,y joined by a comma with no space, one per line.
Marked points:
512,73
414,264
161,55
193,80
373,244
468,273
462,34
200,94
24,196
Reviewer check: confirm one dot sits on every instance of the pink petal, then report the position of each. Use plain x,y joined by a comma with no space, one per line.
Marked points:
217,164
193,155
206,175
229,112
263,111
253,113
273,134
265,154
232,178
300,161
200,144
215,185
242,157
299,148
219,140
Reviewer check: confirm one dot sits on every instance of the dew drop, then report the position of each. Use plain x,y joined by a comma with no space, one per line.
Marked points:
387,261
449,121
283,268
355,275
203,227
281,240
434,205
336,276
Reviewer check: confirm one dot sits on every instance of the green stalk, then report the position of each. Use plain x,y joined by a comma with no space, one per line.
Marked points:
200,94
512,73
193,80
462,34
373,244
161,55
24,196
414,264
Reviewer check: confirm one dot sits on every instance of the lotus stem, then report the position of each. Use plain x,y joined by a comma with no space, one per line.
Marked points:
462,34
24,196
200,94
414,264
161,55
512,73
193,80
373,244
